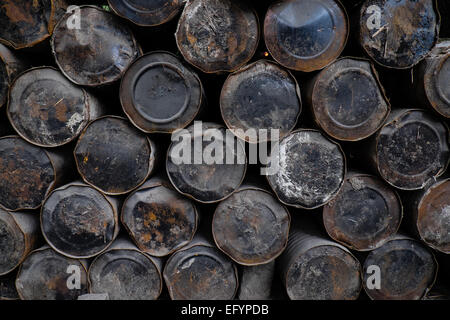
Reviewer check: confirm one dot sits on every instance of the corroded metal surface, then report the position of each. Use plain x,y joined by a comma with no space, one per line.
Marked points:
44,276
24,23
315,268
125,273
10,66
145,12
78,221
96,53
348,100
251,227
255,282
159,94
217,35
200,272
27,174
306,35
398,34
113,156
311,169
432,78
412,149
48,110
365,214
261,95
18,235
408,270
159,219
205,182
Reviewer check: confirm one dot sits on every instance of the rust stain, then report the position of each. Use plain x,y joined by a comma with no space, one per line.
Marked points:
17,13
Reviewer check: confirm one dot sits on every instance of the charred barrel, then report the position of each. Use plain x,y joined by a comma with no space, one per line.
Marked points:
18,235
159,94
47,275
200,272
113,156
315,268
251,227
10,66
306,35
125,273
147,13
78,221
159,219
48,110
432,78
348,100
430,210
308,169
365,214
398,34
217,35
25,23
411,149
407,270
28,173
205,162
256,281
97,50
261,95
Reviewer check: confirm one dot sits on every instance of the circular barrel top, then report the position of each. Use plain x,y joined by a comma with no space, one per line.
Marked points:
306,35
46,109
96,52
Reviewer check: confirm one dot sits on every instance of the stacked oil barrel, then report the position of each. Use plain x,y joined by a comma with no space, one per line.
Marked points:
330,181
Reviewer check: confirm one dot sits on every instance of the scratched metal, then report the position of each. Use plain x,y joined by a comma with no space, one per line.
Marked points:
98,52
398,34
217,35
147,13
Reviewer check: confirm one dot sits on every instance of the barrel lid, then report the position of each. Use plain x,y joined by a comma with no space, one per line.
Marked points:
310,170
12,243
217,35
159,94
46,109
96,53
78,221
26,174
306,35
147,13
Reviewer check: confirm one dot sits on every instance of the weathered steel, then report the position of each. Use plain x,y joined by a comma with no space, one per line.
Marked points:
315,268
125,273
158,219
95,52
261,95
78,221
365,214
28,173
407,270
217,35
348,100
25,23
306,35
10,66
398,34
113,156
48,110
159,94
432,78
411,149
8,289
47,275
251,227
200,271
311,169
206,181
256,282
147,13
18,235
